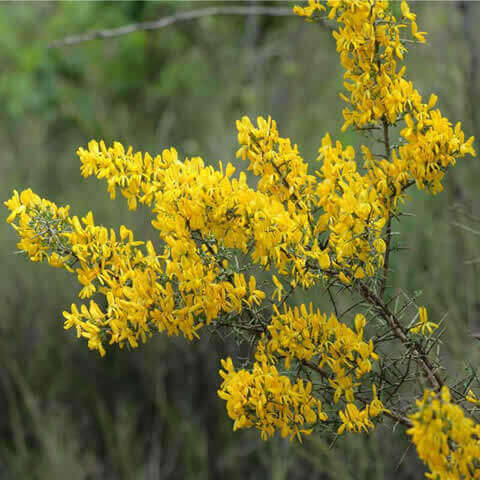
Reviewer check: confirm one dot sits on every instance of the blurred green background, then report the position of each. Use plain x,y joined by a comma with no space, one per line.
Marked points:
154,413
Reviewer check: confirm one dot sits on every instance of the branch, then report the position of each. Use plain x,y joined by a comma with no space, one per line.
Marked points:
405,421
400,332
399,418
316,368
182,16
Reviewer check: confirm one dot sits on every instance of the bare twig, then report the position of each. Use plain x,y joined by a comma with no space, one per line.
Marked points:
467,229
333,301
182,16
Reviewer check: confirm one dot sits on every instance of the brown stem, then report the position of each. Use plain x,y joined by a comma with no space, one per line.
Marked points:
398,418
316,368
181,16
388,413
400,332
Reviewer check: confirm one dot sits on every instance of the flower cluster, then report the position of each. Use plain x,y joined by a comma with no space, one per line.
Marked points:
332,225
194,202
432,145
351,209
264,399
355,420
355,210
307,338
39,223
144,291
370,48
312,10
369,44
309,335
283,172
446,440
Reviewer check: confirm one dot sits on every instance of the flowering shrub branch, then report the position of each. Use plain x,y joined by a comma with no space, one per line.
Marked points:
310,370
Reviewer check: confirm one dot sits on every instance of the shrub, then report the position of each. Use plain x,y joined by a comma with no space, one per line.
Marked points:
219,236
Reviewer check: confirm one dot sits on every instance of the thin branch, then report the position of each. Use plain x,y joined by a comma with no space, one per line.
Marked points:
400,332
389,413
316,368
467,229
398,418
350,308
333,302
182,16
402,380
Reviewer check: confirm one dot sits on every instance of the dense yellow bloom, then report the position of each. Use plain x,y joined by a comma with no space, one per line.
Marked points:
330,225
369,45
432,146
264,399
371,48
446,440
192,201
174,292
314,7
354,208
300,334
282,171
38,218
355,420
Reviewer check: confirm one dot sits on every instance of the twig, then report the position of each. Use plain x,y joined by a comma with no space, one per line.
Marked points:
467,229
406,422
399,331
403,457
182,16
333,302
402,380
316,368
399,418
350,308
389,413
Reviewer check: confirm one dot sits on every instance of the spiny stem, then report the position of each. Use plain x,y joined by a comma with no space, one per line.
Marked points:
400,332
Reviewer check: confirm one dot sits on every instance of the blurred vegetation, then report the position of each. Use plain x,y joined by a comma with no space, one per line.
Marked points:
154,413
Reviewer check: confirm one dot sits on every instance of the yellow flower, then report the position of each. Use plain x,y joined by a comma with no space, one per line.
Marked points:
268,401
376,407
354,420
423,324
307,228
313,7
446,440
472,398
278,292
